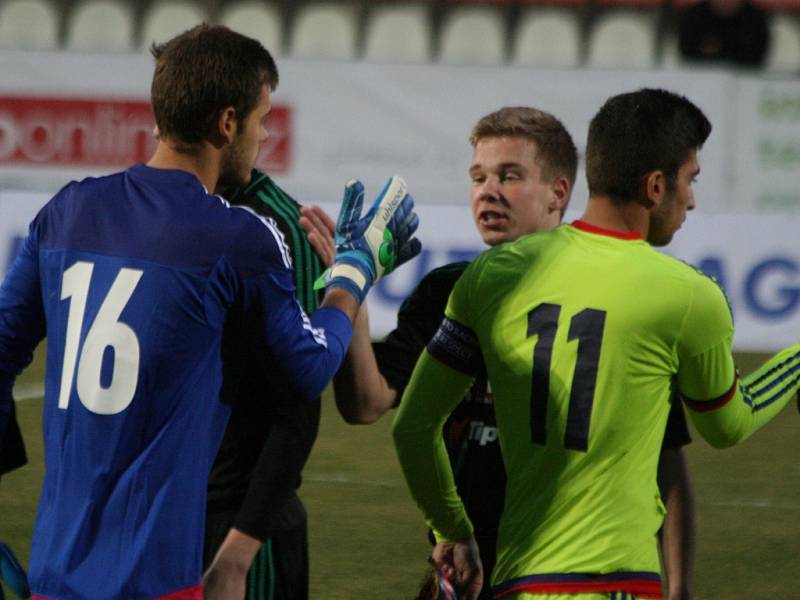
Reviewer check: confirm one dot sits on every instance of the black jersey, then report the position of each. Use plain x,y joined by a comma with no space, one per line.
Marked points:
271,430
471,431
12,448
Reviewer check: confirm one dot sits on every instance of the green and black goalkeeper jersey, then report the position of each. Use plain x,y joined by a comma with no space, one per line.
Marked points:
271,430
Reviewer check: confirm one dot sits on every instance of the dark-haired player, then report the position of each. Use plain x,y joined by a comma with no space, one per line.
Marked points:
134,278
523,168
586,333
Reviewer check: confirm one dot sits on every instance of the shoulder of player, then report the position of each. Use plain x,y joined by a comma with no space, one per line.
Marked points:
684,270
702,286
255,236
77,190
445,273
516,250
436,285
266,197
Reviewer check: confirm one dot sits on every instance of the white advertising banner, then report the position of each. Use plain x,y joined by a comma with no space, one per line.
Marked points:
767,152
66,116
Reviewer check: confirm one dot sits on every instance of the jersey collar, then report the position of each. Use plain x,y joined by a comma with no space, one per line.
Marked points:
622,235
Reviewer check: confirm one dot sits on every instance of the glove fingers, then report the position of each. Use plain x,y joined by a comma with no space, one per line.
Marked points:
403,213
352,203
387,203
409,226
408,251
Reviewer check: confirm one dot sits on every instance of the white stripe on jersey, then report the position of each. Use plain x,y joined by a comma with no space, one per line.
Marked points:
318,333
270,224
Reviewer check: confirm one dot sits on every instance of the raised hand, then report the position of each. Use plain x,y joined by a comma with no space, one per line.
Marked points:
369,247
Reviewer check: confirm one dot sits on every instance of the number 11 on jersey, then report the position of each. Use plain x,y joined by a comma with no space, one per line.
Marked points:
106,331
586,327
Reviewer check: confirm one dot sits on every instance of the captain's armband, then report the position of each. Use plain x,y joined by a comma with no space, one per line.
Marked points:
457,346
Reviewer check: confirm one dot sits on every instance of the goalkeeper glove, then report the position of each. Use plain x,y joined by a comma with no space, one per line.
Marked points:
12,573
373,246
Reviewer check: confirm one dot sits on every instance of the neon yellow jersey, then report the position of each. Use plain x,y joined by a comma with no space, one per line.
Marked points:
584,334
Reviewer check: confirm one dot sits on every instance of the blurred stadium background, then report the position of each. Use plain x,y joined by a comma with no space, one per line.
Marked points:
369,88
564,33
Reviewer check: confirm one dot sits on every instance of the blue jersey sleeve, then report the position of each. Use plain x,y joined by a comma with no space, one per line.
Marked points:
309,350
22,322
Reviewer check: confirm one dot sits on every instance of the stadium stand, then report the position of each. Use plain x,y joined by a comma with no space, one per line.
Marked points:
165,19
536,33
473,35
548,37
399,33
29,25
259,20
784,48
100,26
779,5
325,30
623,39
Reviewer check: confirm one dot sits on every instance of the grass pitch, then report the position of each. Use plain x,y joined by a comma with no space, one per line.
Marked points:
368,540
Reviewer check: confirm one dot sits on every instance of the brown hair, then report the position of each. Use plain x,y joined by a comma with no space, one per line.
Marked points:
555,150
200,73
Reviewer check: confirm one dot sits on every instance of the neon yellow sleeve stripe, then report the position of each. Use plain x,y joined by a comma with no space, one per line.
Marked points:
432,393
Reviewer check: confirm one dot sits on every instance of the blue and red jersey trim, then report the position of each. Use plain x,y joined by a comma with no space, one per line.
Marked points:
713,404
640,584
191,593
622,235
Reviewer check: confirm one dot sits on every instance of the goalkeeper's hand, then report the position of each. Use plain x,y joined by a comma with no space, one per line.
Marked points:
369,247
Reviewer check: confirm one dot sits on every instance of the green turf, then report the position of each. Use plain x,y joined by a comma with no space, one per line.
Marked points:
367,540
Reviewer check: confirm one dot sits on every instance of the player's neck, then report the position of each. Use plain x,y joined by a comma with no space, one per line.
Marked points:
628,217
203,164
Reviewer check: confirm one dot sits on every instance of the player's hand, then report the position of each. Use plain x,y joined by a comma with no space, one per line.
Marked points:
222,582
226,578
320,229
460,562
369,247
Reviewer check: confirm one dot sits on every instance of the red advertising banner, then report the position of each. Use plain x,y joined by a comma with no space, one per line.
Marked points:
99,132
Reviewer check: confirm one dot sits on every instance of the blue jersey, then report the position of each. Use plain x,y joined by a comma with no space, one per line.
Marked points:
133,278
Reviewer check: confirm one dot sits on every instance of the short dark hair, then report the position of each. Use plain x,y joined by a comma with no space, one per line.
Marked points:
637,133
200,73
555,150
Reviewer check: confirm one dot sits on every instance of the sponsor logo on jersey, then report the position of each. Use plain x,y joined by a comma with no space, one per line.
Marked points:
482,433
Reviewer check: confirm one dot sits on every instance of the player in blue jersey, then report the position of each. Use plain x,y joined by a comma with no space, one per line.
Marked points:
133,278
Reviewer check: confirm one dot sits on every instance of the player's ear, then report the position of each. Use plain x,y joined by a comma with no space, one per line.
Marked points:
560,190
227,125
654,187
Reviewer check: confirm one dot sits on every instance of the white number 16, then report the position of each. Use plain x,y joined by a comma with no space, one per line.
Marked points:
106,330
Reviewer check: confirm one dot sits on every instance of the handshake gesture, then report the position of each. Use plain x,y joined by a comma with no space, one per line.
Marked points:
369,247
